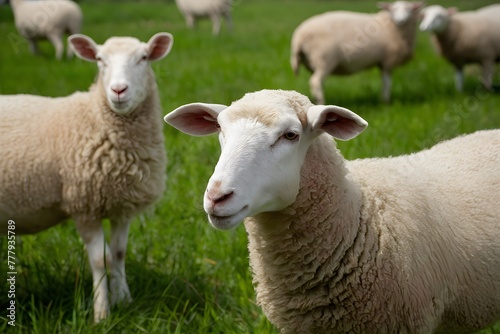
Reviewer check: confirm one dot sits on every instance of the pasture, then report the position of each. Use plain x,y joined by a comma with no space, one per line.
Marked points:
184,276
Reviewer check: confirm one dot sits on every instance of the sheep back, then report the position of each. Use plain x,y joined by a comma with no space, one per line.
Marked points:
348,42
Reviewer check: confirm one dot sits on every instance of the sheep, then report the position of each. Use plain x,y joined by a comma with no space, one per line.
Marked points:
384,245
214,9
89,156
47,19
466,37
344,43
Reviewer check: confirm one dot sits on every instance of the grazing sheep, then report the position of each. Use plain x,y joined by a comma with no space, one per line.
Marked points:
346,42
214,9
407,244
88,156
466,37
47,19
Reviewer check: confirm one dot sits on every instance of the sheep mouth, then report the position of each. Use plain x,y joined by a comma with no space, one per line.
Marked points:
228,221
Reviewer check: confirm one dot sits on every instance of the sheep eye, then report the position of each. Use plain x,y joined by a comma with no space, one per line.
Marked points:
290,135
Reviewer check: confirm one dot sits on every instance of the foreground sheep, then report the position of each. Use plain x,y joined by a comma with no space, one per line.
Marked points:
468,37
88,156
47,19
393,245
347,42
214,9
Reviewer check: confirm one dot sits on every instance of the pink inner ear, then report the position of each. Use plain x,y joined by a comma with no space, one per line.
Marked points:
195,123
341,127
159,47
84,48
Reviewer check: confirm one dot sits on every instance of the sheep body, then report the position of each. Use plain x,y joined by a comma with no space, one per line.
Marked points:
47,19
214,9
466,37
385,245
88,156
344,43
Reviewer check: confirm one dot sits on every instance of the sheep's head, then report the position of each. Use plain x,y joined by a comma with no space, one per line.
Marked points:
401,11
435,18
264,139
124,66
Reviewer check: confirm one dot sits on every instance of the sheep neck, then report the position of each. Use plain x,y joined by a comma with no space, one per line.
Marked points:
320,241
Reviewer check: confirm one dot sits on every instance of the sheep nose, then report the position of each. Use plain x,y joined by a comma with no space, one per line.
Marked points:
219,198
119,88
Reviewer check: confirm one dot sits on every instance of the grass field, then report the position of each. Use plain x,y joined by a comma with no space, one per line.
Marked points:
186,277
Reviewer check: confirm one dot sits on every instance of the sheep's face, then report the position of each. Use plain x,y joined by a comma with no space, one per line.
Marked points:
124,70
435,18
401,11
264,138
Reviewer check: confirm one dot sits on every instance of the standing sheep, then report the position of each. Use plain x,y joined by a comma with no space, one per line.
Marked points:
346,42
88,156
214,9
407,244
47,19
467,37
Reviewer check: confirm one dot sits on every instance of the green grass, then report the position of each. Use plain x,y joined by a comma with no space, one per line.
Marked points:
186,277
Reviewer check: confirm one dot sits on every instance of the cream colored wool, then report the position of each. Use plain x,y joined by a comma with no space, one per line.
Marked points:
405,244
47,19
213,9
343,43
466,37
89,156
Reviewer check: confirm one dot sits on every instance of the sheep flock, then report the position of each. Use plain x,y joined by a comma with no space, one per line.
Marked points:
400,244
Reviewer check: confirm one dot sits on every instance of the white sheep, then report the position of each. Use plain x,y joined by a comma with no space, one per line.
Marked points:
47,19
344,43
466,37
214,9
407,244
88,156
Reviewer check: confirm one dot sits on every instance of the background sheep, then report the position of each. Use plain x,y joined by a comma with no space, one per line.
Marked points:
48,19
396,245
467,37
89,156
347,42
214,9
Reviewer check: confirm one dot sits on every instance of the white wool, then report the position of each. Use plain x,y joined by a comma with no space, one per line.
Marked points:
344,43
213,9
466,37
404,244
47,19
88,156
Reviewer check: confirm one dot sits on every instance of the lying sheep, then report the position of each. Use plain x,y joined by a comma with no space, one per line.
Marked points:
88,156
214,9
467,37
407,244
48,19
346,42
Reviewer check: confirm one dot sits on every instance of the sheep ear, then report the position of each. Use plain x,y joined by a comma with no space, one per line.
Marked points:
452,10
83,46
417,6
159,45
341,123
196,119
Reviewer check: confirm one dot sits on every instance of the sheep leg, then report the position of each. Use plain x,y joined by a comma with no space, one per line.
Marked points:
229,21
99,256
33,46
316,85
386,84
215,24
56,40
119,236
459,79
190,22
488,68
